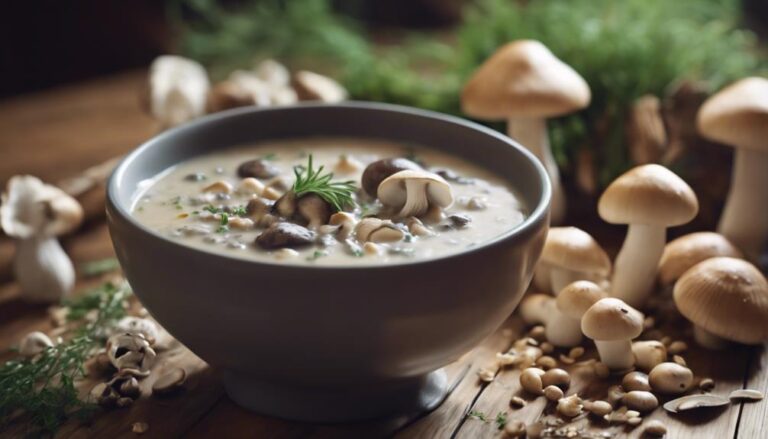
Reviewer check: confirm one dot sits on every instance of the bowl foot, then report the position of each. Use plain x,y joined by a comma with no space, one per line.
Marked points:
405,397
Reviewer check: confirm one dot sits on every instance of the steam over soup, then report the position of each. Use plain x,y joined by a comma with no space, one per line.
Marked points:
277,201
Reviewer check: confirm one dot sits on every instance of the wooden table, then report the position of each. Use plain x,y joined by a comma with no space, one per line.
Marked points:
57,133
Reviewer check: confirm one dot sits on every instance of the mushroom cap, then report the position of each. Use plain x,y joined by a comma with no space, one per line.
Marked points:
727,297
523,78
611,319
648,194
392,191
31,207
575,249
576,298
737,115
311,86
178,89
688,250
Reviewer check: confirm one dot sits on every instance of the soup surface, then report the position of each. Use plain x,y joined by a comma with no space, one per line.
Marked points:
246,202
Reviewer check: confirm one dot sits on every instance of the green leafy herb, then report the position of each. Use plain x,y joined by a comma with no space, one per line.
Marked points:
337,193
501,420
101,266
478,415
239,211
317,255
41,392
222,229
224,218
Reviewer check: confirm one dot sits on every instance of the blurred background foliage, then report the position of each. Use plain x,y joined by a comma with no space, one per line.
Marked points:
623,49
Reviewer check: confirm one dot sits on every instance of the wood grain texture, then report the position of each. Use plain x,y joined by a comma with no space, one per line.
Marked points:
59,133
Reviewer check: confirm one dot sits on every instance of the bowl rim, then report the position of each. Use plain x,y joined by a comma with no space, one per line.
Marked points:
537,216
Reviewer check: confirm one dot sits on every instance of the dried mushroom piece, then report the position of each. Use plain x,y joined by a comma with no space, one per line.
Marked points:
130,353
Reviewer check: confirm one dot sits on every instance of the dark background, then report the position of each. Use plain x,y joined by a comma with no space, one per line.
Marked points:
52,42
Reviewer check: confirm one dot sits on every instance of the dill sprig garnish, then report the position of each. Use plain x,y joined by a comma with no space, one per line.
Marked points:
309,180
41,393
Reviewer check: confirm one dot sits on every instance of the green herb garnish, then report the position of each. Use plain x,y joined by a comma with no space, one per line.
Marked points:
222,229
337,193
478,415
41,392
224,218
317,255
501,420
101,266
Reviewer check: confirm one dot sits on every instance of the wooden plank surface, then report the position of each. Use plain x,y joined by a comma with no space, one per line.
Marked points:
58,133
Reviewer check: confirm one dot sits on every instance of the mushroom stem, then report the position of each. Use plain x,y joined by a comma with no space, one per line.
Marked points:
415,199
635,268
616,354
707,339
561,277
532,134
745,218
43,269
562,330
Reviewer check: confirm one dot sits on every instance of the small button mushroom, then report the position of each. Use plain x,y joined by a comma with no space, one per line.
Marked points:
417,228
250,186
477,203
556,377
641,400
34,343
346,223
314,209
414,192
379,170
226,95
378,230
279,183
130,353
311,86
515,429
612,324
219,187
535,308
688,250
563,323
648,354
725,299
139,325
282,234
257,168
272,72
670,378
572,254
553,393
649,198
271,193
635,381
598,408
347,164
655,428
257,208
178,90
530,380
286,253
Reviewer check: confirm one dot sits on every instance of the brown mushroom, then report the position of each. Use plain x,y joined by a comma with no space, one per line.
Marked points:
257,168
379,170
688,250
283,234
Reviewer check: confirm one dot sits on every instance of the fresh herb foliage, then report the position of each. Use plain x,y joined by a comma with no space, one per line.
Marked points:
222,211
310,180
98,267
501,420
224,218
478,415
623,49
41,392
222,229
317,255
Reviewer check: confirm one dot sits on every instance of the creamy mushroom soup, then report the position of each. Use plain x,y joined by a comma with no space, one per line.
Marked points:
276,201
